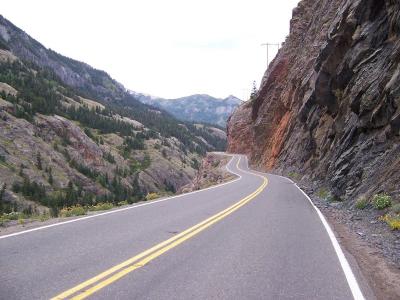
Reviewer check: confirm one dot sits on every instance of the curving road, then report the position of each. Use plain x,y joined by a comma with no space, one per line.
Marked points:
257,237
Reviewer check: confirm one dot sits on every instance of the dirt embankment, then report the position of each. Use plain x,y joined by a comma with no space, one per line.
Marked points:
212,171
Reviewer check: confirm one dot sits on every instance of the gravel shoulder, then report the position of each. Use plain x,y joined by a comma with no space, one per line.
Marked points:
373,245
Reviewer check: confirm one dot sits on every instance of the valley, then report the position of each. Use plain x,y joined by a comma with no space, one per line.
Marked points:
72,137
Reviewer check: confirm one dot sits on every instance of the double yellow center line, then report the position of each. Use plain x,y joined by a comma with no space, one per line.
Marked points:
87,288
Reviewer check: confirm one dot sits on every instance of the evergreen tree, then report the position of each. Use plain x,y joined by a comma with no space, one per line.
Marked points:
254,91
39,161
2,194
51,180
21,170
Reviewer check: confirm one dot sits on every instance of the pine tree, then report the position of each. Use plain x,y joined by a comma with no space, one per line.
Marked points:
21,170
39,161
51,180
254,90
2,193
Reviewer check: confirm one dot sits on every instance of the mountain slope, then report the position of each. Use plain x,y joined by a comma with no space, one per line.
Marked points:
94,84
328,107
196,108
71,135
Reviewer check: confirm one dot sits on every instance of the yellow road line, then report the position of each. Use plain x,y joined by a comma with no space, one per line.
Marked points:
126,267
135,258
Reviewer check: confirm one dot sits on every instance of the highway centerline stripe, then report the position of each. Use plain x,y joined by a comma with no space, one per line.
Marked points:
161,251
126,267
137,257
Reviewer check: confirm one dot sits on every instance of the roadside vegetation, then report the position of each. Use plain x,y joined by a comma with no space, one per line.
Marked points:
392,220
325,194
381,201
65,212
294,175
362,203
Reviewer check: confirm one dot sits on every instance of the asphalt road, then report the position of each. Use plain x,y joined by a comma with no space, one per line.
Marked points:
258,237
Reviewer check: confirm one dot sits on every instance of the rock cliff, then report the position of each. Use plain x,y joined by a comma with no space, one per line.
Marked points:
328,107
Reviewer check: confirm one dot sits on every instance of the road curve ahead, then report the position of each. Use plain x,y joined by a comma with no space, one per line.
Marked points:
257,237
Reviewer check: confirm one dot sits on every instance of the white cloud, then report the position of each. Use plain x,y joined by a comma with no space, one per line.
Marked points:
166,48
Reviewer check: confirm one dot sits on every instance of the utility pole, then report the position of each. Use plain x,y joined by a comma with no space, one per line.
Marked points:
267,45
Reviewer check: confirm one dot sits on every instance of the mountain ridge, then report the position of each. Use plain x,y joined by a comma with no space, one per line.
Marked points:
201,108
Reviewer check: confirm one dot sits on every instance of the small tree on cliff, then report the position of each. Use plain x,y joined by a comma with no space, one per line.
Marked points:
254,91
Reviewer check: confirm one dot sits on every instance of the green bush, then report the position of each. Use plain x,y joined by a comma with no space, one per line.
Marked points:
109,157
44,217
10,216
294,175
381,201
323,193
361,203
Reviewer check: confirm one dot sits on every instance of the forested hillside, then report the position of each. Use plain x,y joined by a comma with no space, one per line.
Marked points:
70,135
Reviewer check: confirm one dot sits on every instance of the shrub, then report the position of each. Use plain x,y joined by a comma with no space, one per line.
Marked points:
11,216
44,217
71,211
294,175
381,201
101,206
392,221
322,193
361,203
121,203
109,157
152,196
195,164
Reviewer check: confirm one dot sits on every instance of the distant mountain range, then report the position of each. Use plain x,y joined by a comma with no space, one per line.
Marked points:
196,108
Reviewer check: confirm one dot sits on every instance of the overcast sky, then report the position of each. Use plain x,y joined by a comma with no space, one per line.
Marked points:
167,48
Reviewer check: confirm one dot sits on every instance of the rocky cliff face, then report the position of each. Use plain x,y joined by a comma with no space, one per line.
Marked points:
328,106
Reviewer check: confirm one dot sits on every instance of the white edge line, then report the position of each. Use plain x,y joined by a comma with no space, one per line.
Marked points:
351,279
131,207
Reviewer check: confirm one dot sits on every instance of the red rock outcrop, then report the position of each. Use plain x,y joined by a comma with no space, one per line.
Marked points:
329,104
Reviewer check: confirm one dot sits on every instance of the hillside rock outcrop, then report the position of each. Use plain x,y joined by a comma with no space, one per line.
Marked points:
328,106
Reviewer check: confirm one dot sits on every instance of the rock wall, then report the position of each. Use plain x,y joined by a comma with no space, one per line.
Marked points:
328,106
